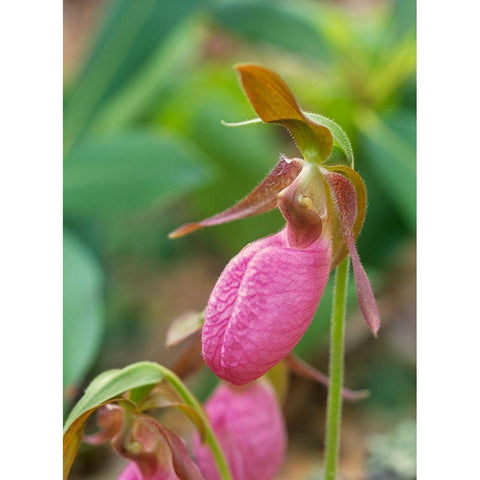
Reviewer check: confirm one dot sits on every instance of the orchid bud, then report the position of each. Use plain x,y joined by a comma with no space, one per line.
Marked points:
155,453
249,426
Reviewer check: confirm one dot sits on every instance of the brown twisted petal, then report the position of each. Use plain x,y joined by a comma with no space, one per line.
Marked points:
345,202
339,247
163,455
260,200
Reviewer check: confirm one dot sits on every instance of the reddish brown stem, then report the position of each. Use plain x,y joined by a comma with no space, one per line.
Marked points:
305,370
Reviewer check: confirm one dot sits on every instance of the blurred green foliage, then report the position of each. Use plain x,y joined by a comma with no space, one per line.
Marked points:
82,308
392,456
145,150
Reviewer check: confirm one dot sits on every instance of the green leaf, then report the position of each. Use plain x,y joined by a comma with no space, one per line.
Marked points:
128,39
389,147
82,308
109,387
128,171
148,88
113,383
273,23
340,138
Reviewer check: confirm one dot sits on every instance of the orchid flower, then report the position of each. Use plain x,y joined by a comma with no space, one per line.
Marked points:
249,426
265,299
153,451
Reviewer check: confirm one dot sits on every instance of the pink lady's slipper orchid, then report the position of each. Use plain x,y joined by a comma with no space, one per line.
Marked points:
266,297
249,426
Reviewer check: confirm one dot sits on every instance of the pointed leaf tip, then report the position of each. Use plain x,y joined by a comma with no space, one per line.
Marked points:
184,230
274,102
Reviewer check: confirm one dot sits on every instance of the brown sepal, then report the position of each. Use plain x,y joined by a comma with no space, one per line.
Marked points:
339,246
274,102
345,202
260,200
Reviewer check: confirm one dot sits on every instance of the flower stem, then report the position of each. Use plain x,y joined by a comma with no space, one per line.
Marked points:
337,337
210,437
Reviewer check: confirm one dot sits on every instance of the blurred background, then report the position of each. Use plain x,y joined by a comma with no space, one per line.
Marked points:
147,83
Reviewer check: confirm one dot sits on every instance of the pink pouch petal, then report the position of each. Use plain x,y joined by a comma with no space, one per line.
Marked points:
249,425
261,306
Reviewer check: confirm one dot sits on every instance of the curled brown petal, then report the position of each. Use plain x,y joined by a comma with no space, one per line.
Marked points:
149,429
184,466
340,249
345,201
260,200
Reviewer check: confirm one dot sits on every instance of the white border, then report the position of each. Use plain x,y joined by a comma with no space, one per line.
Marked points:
448,240
31,238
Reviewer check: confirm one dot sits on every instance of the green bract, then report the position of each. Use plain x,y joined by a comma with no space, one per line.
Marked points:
113,383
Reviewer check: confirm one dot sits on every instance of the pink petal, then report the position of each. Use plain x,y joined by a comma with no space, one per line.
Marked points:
249,425
346,206
260,200
261,306
133,472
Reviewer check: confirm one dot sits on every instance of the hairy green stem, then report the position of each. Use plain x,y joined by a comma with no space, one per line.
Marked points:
210,437
337,338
